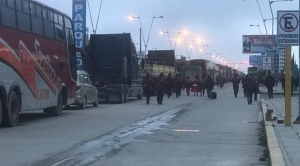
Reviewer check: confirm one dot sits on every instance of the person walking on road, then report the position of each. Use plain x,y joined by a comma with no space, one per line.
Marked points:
270,82
236,83
160,88
178,84
256,87
169,85
209,84
196,86
148,87
187,85
202,85
249,88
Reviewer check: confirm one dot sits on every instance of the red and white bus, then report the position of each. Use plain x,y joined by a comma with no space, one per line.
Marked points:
37,59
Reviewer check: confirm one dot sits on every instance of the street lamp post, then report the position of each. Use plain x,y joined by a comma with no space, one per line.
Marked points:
187,52
150,31
141,31
211,53
257,26
197,51
167,32
270,4
202,50
192,47
217,57
176,39
262,16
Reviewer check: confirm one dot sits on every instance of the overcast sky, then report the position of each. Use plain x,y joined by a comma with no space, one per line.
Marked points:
219,24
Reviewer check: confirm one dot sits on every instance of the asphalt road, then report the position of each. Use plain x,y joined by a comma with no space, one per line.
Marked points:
189,130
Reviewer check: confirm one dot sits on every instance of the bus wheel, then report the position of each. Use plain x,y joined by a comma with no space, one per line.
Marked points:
56,111
11,115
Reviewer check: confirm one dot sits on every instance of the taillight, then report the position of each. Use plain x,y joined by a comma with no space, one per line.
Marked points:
77,87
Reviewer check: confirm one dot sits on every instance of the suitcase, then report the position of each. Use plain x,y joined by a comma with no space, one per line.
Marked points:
213,95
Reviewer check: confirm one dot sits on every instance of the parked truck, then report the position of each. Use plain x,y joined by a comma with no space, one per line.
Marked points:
114,67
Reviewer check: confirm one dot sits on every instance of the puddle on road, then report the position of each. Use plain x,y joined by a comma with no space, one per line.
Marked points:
91,151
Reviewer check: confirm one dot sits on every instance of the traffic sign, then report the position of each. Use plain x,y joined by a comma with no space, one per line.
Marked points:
288,27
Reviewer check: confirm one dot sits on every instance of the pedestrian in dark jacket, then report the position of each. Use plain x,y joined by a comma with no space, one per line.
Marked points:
169,85
202,85
236,83
160,88
249,88
256,87
243,86
270,82
209,84
148,86
178,84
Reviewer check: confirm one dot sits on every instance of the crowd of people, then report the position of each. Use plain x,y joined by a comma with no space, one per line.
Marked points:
160,85
250,85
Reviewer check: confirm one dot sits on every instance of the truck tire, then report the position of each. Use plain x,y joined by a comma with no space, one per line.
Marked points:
139,97
12,113
126,97
95,104
83,105
121,97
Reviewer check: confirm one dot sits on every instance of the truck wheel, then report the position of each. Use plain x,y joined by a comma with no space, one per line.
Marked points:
83,105
126,97
95,104
121,98
11,115
139,97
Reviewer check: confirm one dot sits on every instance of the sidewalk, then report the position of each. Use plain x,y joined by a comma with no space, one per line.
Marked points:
283,141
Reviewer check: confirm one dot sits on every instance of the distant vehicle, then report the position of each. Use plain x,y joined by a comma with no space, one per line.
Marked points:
191,70
208,67
86,92
37,59
114,67
252,71
160,61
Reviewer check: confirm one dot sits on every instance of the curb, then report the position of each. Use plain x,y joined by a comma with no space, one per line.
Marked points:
276,156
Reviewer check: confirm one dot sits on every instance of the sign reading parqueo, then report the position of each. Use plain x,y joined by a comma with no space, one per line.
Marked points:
288,28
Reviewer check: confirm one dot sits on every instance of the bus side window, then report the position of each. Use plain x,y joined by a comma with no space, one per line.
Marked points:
11,3
23,18
69,31
48,23
37,22
8,17
59,29
3,2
